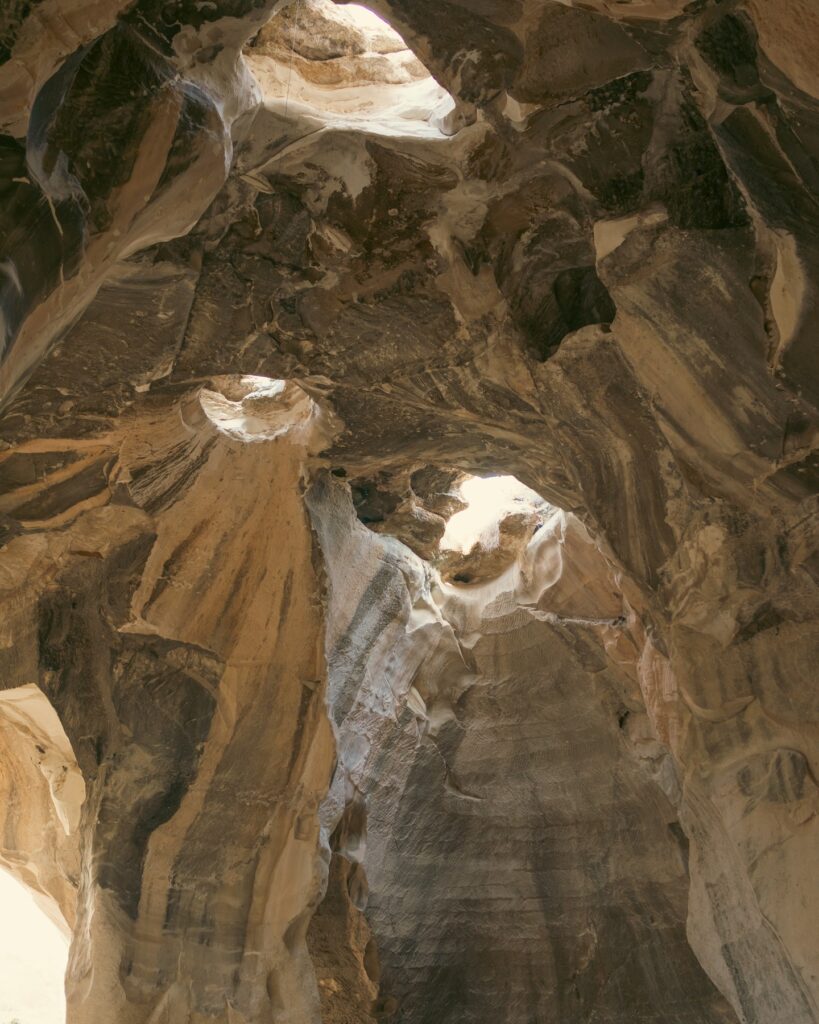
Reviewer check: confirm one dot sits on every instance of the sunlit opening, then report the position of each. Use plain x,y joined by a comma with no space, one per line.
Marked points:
489,500
258,409
370,23
346,66
33,957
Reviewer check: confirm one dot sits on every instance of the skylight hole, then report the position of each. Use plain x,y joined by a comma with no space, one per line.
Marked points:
345,65
489,500
370,22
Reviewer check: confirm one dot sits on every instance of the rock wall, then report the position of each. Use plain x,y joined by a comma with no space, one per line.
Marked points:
176,629
513,819
236,693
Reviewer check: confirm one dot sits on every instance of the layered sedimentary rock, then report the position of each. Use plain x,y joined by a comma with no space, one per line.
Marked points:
520,862
165,693
274,278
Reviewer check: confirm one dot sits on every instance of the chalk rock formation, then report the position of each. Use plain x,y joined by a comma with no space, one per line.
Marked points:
275,279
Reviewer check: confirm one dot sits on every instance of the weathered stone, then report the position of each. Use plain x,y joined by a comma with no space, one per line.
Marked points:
275,278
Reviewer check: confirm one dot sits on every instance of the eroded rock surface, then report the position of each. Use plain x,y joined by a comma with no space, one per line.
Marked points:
274,278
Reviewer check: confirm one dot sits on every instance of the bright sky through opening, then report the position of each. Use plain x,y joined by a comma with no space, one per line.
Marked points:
33,956
489,499
368,21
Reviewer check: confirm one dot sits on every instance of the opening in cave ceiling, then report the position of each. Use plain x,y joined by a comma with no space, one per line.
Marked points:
489,500
471,529
346,66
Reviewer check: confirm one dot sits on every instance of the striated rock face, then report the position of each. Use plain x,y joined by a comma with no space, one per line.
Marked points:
521,861
275,279
169,687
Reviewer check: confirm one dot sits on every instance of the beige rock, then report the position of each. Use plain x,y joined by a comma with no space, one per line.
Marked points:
274,279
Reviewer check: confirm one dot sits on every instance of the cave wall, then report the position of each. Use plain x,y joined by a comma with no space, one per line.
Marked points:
510,821
599,275
177,632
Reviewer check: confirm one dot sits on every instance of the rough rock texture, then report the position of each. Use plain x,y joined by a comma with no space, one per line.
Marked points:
521,862
263,752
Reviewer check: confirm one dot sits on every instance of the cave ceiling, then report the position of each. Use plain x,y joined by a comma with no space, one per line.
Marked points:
276,279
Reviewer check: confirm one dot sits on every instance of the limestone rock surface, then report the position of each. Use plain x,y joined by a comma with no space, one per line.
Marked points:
274,279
